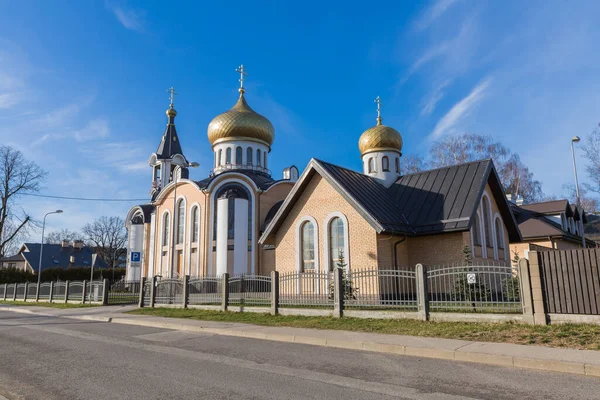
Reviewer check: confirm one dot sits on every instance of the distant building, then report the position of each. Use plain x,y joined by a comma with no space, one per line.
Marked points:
65,255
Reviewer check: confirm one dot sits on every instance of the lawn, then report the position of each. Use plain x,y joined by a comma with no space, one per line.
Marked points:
44,304
573,336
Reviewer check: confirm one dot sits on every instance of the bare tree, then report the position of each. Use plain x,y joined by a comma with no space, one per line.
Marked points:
17,177
412,164
588,203
109,236
591,151
515,176
57,237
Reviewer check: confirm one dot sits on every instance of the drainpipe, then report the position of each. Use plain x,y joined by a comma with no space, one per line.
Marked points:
396,251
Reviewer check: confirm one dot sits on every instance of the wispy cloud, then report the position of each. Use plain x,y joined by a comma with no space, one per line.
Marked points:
131,19
448,122
431,14
95,129
434,97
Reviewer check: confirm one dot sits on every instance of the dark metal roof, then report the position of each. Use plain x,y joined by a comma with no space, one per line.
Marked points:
550,207
534,225
169,145
428,202
54,255
262,180
271,213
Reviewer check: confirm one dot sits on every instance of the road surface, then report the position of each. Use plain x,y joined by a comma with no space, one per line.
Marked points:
57,358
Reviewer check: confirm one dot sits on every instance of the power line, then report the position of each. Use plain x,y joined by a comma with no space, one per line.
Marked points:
78,198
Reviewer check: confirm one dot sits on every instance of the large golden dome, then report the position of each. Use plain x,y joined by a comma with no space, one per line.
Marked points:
241,123
380,138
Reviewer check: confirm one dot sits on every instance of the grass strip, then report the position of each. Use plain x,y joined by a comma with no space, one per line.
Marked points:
574,336
44,304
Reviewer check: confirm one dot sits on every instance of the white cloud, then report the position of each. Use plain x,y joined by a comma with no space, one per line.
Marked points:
434,97
129,18
8,100
431,14
448,122
95,129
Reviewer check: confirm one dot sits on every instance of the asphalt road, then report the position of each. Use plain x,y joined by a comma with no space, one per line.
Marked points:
56,358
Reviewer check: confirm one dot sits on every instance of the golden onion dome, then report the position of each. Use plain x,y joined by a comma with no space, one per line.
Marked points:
380,138
241,123
171,112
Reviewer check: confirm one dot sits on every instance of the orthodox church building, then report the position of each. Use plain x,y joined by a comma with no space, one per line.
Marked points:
241,220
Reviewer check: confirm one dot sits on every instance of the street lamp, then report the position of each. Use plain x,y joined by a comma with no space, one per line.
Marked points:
173,237
576,139
42,245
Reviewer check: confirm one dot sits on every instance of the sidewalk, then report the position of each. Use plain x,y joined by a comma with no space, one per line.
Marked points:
583,362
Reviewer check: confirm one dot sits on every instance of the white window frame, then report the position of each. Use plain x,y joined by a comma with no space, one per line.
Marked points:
327,257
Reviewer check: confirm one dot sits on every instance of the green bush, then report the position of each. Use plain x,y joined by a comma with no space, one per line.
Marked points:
511,289
350,292
471,292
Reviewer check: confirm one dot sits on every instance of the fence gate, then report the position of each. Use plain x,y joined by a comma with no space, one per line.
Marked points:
124,292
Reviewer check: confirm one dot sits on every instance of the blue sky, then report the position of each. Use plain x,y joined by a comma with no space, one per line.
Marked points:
83,83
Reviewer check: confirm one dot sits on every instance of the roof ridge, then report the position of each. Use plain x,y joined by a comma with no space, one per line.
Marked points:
448,166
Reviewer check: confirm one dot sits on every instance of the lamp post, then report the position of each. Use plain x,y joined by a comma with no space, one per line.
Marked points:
173,234
576,139
42,244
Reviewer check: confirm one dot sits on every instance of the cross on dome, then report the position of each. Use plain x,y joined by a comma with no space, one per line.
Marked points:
172,94
378,101
242,71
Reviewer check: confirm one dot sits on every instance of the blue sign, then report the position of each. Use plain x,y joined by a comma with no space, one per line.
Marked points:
135,256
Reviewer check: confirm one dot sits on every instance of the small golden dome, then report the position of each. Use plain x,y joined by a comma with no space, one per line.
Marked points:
241,123
171,112
380,138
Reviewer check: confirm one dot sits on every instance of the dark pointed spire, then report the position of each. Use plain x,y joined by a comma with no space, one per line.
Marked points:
169,145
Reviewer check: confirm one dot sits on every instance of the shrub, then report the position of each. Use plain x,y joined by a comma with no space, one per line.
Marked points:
350,292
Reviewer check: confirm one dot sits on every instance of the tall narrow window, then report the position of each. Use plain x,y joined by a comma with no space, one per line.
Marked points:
476,232
195,225
166,229
265,157
180,221
219,158
215,159
228,156
249,156
336,242
308,246
385,163
371,169
397,165
487,221
258,157
238,155
499,234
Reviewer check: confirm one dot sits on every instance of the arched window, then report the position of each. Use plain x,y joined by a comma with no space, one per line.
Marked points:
249,156
228,156
180,221
336,242
397,165
265,157
219,158
499,234
308,246
487,221
231,211
215,159
371,165
195,224
258,157
476,232
166,229
385,163
238,155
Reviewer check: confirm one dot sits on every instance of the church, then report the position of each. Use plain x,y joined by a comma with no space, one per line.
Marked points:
242,220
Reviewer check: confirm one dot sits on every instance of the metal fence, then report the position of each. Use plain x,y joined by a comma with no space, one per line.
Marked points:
169,291
204,290
59,290
31,290
380,289
124,292
10,291
93,290
253,290
147,291
20,290
44,291
75,290
306,289
483,288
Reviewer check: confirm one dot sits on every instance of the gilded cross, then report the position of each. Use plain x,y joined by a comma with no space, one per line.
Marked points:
378,101
242,71
172,94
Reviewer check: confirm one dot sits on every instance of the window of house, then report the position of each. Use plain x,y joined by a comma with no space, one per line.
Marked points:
487,221
499,234
308,246
371,169
180,221
385,163
397,165
228,156
166,224
258,157
249,156
195,225
476,230
336,242
238,155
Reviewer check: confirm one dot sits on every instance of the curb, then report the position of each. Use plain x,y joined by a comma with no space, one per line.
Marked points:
455,355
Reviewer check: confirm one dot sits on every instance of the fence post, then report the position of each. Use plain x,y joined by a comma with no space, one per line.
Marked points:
338,292
5,287
525,291
37,292
186,290
224,291
83,293
422,292
537,297
66,291
25,292
51,291
274,292
105,292
15,293
142,286
153,291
